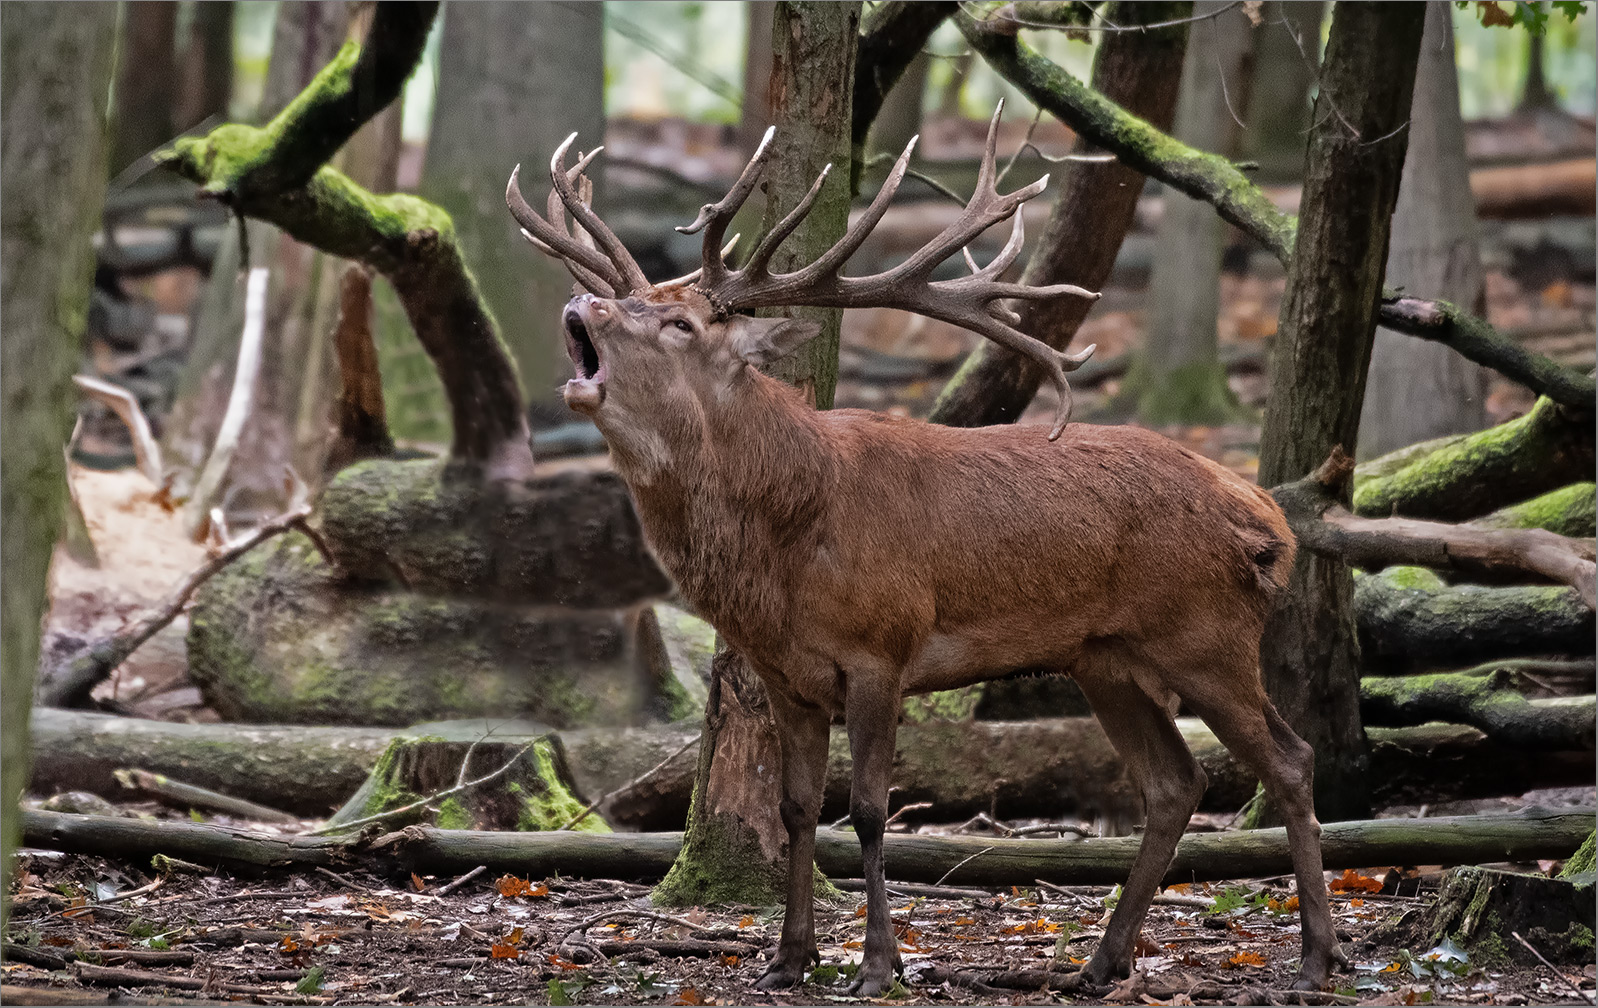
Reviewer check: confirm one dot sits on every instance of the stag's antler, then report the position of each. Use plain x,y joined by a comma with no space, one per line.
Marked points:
597,259
971,302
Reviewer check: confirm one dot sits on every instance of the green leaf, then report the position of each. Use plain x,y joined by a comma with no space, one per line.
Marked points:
558,995
312,981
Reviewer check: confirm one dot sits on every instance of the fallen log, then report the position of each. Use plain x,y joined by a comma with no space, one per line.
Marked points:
1526,835
1407,617
1570,511
1323,525
1025,768
1489,703
1466,477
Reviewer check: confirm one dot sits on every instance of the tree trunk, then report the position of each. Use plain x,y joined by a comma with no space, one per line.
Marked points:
513,80
207,71
55,67
1418,389
304,37
899,119
890,77
1181,379
1287,56
736,846
146,82
1140,71
1516,836
1478,908
756,114
1310,653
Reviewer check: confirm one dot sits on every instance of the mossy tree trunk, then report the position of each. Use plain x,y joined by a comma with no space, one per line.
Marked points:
1140,71
513,80
1418,389
55,68
1178,377
1310,652
207,72
736,846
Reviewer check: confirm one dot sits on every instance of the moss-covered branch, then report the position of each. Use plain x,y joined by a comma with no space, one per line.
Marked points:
1473,475
1324,526
1474,339
359,83
1488,703
1208,177
1238,200
410,241
1571,511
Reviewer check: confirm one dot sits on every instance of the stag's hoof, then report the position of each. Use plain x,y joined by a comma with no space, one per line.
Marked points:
785,971
1315,972
871,984
1096,977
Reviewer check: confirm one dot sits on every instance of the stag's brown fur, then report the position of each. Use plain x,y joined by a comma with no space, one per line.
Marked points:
854,557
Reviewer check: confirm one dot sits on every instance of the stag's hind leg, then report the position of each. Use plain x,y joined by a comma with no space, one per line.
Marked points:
1250,727
1171,784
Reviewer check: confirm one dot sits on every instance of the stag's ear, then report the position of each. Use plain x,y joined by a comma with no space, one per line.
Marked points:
763,340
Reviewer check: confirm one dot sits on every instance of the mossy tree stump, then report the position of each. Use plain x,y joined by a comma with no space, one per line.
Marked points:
531,795
1478,908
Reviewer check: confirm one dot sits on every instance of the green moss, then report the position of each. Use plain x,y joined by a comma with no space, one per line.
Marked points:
452,814
1581,861
1192,394
944,705
555,806
1570,510
716,866
1413,578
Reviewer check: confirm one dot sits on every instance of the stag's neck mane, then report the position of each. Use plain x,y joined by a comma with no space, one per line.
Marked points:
742,498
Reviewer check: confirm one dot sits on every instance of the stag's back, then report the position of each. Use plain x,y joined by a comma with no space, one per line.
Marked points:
1015,550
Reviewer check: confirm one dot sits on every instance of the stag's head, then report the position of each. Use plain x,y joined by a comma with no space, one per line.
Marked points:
645,351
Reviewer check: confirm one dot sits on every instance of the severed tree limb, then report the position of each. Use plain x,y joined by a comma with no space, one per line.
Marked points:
70,685
1323,525
146,451
408,240
362,417
1530,833
1241,202
186,796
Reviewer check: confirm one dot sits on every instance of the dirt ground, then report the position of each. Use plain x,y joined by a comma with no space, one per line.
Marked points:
360,940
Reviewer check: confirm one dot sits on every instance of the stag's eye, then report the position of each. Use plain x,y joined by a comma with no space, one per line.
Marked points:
683,325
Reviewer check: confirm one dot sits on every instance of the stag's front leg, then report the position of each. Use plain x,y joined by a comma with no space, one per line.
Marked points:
872,713
802,735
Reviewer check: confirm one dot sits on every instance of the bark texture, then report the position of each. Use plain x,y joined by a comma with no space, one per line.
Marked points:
55,67
1140,72
1418,389
1310,654
513,80
146,82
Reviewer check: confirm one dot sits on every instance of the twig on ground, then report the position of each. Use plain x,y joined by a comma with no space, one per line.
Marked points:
912,807
445,890
342,880
918,889
1582,995
962,864
99,660
420,802
641,914
579,817
184,796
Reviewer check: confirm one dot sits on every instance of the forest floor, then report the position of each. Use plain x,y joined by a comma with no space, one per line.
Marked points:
356,939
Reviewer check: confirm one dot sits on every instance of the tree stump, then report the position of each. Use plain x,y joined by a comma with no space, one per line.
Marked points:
1478,908
532,795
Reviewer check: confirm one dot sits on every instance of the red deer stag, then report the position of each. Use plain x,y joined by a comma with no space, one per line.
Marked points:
854,557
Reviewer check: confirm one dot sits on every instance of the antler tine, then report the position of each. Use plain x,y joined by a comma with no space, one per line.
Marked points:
592,282
761,257
834,258
632,277
714,217
1006,256
556,240
987,171
1054,363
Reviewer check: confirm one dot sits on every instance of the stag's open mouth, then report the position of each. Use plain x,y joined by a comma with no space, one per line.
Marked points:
587,389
